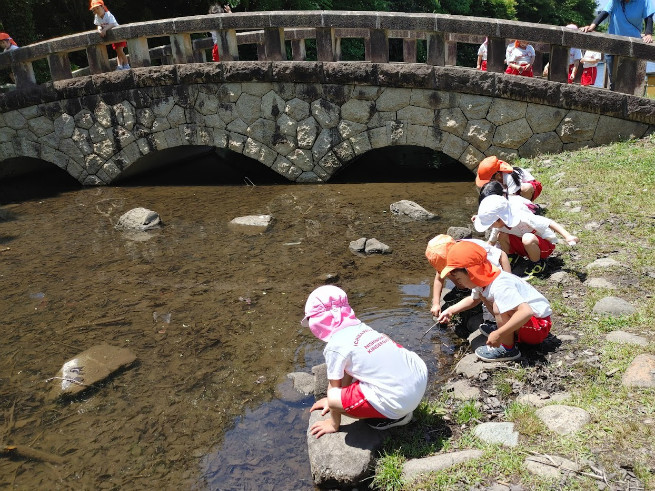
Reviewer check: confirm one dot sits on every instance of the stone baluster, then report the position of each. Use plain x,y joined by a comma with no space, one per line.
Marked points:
60,66
228,50
261,52
274,44
367,49
496,48
629,75
325,44
23,74
558,69
298,50
181,48
98,58
538,65
199,54
409,50
379,46
436,48
451,51
139,53
337,50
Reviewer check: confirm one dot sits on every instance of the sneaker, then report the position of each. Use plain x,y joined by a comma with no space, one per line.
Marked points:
487,328
486,353
536,269
385,424
513,259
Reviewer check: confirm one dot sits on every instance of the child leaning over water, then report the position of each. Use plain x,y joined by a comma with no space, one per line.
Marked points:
369,375
522,313
105,21
514,179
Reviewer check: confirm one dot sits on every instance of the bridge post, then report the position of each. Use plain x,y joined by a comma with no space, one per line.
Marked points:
379,46
99,59
629,75
261,52
496,48
181,48
228,50
409,50
274,44
60,66
437,47
139,52
23,74
558,70
298,50
325,44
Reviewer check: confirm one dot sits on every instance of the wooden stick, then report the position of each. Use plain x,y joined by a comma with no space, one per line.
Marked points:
26,452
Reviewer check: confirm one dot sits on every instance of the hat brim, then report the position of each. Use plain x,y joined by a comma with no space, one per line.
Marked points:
446,271
481,182
479,225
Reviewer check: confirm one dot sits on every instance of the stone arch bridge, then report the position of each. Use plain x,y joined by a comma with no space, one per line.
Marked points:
306,120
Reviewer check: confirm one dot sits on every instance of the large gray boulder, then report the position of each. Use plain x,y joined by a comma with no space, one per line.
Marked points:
346,458
411,210
139,219
90,367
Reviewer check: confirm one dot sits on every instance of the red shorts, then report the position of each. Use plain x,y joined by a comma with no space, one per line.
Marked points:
122,44
535,330
524,73
536,185
215,56
570,79
355,404
589,76
483,65
516,246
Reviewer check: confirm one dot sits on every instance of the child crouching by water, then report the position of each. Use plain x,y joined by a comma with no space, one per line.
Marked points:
369,375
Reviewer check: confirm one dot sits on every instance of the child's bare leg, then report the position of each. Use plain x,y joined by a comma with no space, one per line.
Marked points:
527,191
503,241
501,319
122,58
531,244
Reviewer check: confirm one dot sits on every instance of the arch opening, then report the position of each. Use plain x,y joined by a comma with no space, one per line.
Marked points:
403,163
28,178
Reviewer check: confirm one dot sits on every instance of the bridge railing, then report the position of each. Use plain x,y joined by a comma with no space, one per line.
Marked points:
269,31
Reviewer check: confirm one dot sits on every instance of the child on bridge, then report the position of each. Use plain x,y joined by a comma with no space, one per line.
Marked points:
522,313
369,375
6,42
520,59
105,21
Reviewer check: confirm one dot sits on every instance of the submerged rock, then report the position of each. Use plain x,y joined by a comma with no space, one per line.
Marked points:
139,219
369,246
255,224
89,367
411,210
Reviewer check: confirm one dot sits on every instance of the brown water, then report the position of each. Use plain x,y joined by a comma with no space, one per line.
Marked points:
212,315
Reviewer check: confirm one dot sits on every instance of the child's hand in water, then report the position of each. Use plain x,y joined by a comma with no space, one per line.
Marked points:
444,317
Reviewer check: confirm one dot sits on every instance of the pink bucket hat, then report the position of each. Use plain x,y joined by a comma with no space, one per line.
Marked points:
327,311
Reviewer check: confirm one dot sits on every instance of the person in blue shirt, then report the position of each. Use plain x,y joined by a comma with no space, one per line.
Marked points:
626,18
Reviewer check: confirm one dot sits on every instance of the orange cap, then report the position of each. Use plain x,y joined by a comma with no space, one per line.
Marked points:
97,3
488,167
437,251
473,258
6,37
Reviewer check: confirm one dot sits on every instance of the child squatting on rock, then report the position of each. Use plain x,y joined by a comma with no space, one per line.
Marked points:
520,232
369,375
522,313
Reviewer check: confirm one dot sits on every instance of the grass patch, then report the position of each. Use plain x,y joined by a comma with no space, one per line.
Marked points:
467,412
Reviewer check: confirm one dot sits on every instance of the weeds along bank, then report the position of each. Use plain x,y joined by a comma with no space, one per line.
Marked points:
604,196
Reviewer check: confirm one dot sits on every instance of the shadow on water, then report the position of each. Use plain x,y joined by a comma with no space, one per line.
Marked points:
212,315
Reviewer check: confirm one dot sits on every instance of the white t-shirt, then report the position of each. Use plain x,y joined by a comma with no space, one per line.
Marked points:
591,54
508,291
574,54
511,186
106,20
482,51
214,36
493,252
529,223
392,379
11,46
521,56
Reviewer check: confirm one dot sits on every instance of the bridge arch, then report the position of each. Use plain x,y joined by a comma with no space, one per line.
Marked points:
306,120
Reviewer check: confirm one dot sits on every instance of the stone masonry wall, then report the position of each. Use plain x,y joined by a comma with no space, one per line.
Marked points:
298,124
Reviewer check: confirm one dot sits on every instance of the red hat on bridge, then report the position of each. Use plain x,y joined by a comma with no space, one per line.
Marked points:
6,37
488,167
98,3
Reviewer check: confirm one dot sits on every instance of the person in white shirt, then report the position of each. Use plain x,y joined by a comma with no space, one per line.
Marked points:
520,59
574,57
482,56
370,377
218,9
6,42
522,313
589,67
105,21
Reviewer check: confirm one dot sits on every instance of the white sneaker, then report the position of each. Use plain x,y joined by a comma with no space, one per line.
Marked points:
385,424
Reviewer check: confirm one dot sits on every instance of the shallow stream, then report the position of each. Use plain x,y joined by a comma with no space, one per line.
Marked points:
212,315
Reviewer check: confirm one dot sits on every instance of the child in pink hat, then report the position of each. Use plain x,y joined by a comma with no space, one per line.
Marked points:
369,375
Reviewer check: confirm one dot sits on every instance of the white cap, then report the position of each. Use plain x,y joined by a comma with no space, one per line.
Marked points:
491,209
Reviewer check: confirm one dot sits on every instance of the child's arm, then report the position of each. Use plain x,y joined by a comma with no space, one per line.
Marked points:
462,305
437,288
102,29
331,425
570,239
520,316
